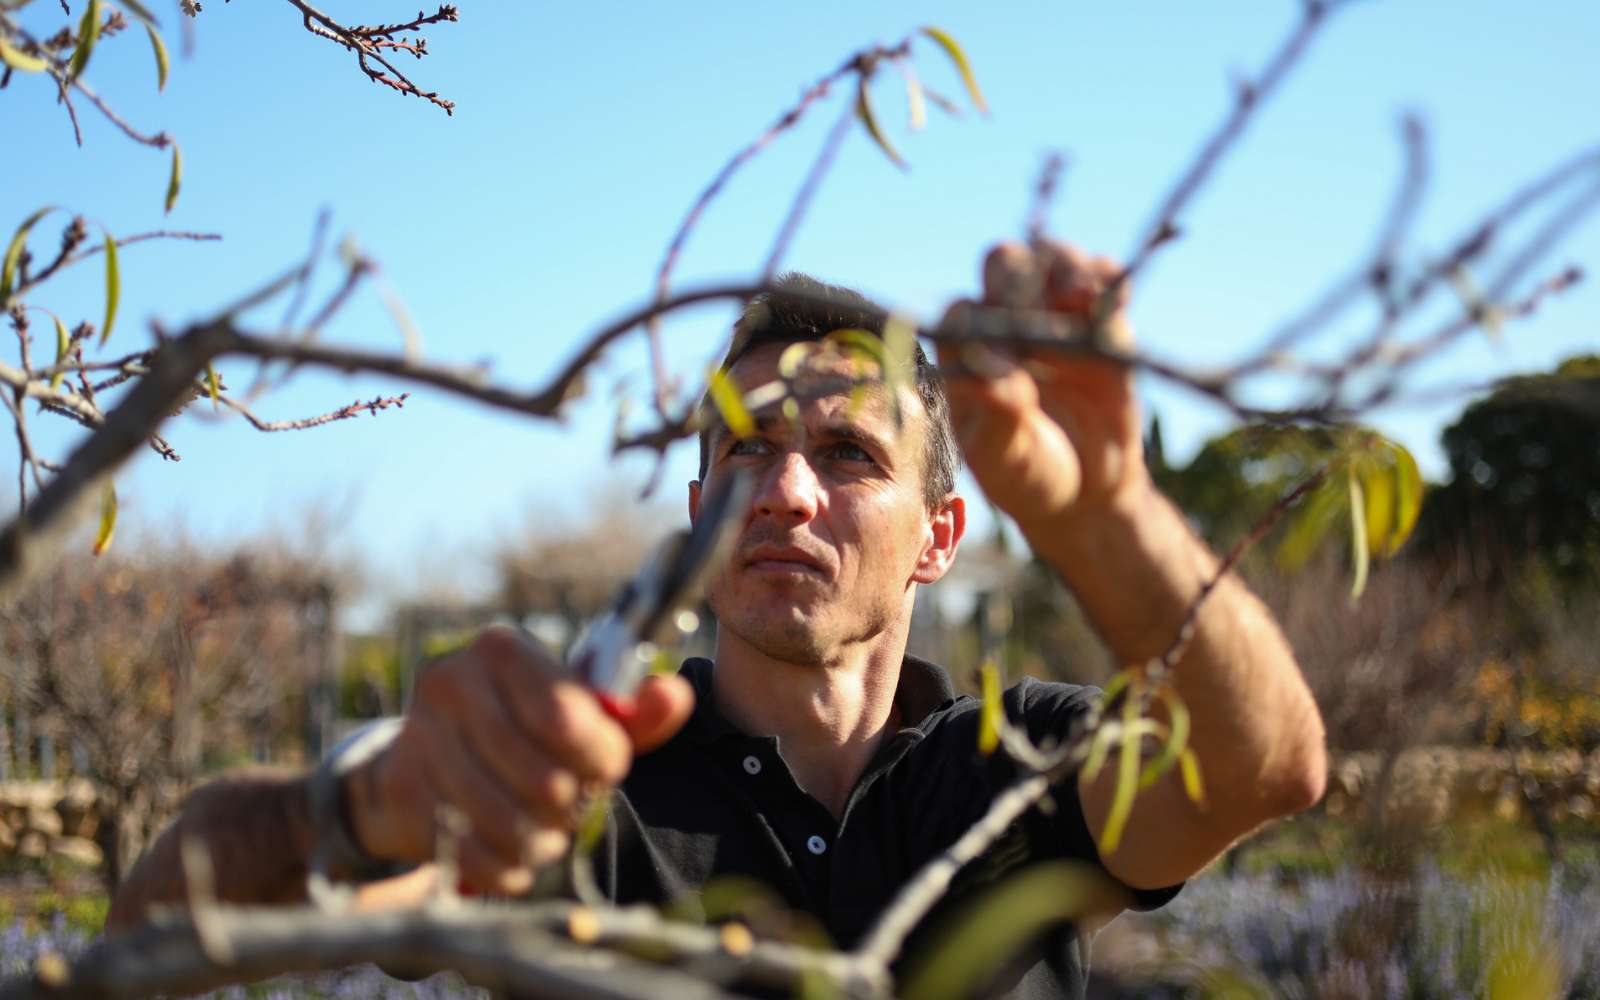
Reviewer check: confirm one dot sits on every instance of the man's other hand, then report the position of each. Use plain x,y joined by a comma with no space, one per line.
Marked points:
1049,434
500,733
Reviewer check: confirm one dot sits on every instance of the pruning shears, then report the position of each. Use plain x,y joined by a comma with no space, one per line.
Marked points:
616,653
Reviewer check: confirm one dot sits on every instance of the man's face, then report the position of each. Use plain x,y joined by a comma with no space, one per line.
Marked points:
837,530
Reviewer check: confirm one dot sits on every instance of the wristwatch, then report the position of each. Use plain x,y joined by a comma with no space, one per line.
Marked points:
336,855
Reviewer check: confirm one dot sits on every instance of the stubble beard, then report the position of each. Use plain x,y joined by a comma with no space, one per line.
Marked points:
782,631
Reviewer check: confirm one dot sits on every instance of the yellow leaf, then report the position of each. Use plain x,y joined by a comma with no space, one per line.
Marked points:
1127,780
916,106
794,356
725,395
211,385
870,120
1099,748
176,178
88,34
113,288
1408,496
1378,510
108,518
1189,765
21,61
13,257
1358,536
1177,739
959,57
63,350
989,716
160,49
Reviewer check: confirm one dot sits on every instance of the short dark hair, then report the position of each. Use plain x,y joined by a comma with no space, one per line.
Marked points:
801,308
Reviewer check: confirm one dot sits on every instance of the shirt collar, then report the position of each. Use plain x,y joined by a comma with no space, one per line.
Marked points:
923,689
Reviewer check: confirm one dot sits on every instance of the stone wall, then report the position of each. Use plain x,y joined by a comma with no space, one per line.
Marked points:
49,819
1434,784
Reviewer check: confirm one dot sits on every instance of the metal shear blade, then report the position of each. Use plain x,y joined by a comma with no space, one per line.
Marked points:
646,609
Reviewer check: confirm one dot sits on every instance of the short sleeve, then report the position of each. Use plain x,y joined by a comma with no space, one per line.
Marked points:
1052,712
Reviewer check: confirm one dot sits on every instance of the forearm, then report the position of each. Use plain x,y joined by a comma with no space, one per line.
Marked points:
256,830
1138,569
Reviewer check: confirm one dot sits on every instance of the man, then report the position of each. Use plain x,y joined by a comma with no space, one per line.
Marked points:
814,755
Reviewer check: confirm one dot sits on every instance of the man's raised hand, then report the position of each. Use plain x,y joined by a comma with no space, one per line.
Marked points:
1050,434
499,733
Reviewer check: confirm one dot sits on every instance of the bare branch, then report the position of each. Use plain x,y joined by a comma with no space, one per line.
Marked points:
808,190
367,41
1250,96
551,949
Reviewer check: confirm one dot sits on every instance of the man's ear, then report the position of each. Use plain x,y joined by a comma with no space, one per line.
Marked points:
694,501
945,528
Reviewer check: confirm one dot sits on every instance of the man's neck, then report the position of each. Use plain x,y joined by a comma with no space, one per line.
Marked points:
829,718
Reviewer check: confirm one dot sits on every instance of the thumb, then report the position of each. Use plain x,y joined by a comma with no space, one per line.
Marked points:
660,708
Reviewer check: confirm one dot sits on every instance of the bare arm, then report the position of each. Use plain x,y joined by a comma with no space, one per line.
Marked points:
1058,447
496,732
256,827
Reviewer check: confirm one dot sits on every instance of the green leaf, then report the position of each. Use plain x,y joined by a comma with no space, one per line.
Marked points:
859,342
966,952
63,351
959,57
142,12
729,402
870,120
1310,524
593,823
899,360
162,63
176,179
113,289
1189,766
21,61
1358,536
108,518
1177,739
8,266
212,386
88,34
990,715
1114,686
1127,780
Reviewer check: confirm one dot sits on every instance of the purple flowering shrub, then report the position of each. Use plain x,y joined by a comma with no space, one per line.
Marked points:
1346,934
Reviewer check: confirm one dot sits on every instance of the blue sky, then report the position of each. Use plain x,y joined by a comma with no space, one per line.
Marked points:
583,133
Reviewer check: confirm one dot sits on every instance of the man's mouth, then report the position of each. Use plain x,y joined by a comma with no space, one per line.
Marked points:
770,559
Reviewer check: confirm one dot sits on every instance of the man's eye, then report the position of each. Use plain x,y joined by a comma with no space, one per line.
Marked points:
746,446
850,452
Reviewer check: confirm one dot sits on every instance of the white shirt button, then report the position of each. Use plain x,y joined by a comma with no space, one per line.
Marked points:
816,845
752,764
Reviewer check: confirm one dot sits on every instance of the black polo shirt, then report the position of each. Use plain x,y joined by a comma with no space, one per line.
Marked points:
714,802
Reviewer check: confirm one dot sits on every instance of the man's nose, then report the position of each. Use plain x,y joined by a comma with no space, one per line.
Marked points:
788,490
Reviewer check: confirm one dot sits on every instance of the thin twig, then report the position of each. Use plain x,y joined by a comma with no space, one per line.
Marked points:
355,409
1250,97
785,121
